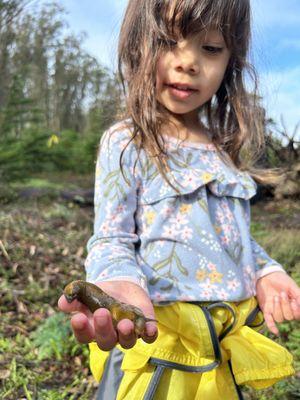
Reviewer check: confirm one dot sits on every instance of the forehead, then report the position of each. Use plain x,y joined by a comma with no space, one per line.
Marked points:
212,34
181,18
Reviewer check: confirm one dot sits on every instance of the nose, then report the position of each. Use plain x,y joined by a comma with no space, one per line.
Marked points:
188,64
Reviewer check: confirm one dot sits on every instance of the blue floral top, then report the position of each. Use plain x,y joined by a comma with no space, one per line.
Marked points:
193,246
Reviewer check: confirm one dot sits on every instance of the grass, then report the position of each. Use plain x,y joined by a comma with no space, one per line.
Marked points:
43,248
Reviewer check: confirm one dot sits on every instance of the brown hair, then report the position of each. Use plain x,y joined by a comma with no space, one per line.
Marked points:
233,115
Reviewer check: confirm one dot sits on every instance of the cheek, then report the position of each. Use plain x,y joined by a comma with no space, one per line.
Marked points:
159,73
215,75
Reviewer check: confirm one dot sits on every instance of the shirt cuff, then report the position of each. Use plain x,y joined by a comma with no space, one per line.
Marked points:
268,270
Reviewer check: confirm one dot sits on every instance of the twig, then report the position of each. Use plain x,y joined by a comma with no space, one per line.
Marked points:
4,251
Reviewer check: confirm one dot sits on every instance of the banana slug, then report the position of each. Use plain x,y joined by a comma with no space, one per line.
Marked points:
94,297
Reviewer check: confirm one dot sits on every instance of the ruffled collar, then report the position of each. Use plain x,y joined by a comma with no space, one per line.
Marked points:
193,170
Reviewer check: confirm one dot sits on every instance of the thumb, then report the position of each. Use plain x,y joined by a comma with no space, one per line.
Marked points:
66,307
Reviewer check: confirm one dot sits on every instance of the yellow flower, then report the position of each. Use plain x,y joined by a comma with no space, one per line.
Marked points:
215,277
185,208
150,215
218,229
52,140
200,274
206,176
261,261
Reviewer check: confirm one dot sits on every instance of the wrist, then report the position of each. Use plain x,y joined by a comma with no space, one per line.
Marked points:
269,270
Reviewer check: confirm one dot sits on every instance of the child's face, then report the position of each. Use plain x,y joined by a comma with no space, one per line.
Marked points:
197,63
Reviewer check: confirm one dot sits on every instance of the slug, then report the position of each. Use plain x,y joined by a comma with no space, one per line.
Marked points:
94,297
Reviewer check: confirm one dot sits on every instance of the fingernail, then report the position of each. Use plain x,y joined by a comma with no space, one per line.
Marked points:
283,295
101,321
151,331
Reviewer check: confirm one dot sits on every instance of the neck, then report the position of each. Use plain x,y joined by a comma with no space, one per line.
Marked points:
187,127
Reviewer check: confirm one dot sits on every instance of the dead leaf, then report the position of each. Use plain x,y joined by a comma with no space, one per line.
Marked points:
4,373
65,251
32,250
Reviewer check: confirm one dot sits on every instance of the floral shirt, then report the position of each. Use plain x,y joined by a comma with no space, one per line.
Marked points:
192,246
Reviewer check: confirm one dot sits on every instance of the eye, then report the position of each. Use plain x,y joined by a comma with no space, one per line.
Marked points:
213,49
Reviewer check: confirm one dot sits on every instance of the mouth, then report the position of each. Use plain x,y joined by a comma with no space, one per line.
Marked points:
181,91
69,297
182,86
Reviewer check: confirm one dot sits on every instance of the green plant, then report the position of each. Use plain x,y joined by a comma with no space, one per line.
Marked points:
53,337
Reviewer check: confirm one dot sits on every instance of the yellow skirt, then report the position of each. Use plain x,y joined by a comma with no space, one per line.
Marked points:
202,351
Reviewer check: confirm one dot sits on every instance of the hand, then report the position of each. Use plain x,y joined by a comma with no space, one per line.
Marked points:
88,327
278,296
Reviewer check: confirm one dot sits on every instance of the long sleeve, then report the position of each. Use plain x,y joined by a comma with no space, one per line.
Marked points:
264,264
111,249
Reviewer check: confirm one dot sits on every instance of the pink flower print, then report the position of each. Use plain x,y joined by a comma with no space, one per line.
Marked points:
215,166
207,285
225,240
120,209
103,274
186,233
170,231
233,284
220,216
206,293
189,179
247,269
105,228
115,218
204,158
178,220
211,266
158,296
223,294
167,211
227,228
143,190
88,261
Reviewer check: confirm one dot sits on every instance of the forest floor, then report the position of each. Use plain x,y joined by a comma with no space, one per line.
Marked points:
42,248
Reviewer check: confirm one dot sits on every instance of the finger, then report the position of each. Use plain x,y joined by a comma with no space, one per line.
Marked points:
268,315
82,328
296,309
271,323
286,307
105,334
277,313
151,332
126,334
64,306
294,292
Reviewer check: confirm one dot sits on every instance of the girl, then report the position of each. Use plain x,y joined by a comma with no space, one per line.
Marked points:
172,224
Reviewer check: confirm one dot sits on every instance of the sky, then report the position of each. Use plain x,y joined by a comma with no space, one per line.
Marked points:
275,47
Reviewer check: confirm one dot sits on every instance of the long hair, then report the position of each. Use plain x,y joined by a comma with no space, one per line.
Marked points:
233,115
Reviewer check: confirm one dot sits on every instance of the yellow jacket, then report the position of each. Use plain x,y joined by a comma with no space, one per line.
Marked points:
212,339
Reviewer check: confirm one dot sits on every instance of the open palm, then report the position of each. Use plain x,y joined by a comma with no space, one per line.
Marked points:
278,296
